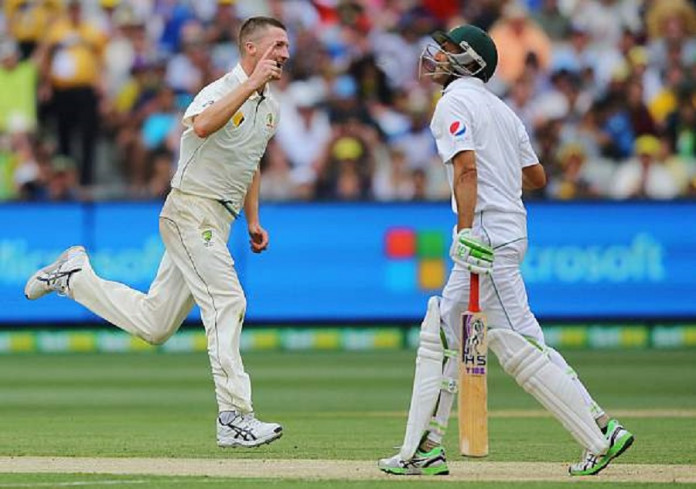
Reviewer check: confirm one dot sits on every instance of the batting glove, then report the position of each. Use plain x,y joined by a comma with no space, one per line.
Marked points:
469,252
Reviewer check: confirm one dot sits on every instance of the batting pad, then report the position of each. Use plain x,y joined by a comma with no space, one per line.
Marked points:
549,385
427,381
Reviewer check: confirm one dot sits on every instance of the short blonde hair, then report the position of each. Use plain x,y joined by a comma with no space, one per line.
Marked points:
254,24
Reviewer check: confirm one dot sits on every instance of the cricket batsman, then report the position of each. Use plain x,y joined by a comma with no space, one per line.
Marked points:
228,126
489,161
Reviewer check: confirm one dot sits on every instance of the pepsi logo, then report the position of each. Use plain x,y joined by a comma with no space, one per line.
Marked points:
457,128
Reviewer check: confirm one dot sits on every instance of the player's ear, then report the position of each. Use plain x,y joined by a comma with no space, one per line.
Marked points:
250,48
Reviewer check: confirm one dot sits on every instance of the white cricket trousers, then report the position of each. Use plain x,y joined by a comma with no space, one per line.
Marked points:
196,266
503,298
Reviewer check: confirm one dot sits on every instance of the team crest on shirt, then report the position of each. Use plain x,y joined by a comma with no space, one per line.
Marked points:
269,121
207,236
457,129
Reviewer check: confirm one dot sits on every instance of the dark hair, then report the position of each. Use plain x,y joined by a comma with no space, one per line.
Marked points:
253,24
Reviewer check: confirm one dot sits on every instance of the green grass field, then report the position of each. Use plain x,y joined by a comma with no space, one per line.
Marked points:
333,405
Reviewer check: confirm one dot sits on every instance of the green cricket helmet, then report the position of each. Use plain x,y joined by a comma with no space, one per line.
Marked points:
478,58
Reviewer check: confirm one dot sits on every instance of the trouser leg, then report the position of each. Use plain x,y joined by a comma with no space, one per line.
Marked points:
208,270
154,316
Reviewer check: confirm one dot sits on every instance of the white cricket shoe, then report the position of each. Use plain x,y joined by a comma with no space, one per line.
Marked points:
620,439
244,430
56,276
422,463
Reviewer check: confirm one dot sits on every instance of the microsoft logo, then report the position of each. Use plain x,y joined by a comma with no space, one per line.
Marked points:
416,259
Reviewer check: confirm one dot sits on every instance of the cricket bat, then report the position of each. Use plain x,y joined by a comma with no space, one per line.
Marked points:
473,389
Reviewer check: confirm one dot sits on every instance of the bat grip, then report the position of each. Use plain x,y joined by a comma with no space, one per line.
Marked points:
474,293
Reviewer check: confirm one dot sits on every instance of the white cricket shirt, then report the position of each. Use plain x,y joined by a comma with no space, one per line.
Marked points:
222,165
469,117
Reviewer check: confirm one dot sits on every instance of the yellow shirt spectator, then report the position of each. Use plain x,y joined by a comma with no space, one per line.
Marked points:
77,51
29,19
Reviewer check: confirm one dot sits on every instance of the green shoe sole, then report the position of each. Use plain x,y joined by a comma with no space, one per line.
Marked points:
439,470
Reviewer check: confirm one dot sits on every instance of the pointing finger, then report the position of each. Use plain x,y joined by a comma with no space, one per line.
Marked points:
268,51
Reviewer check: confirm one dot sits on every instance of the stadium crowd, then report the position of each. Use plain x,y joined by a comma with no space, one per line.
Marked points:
92,93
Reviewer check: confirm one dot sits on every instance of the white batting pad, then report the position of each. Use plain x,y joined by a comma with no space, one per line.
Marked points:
427,381
549,385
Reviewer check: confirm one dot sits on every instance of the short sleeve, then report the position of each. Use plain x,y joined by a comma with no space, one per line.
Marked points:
527,155
205,98
452,127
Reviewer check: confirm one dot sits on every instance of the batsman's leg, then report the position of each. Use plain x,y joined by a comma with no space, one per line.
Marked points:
453,305
505,300
428,382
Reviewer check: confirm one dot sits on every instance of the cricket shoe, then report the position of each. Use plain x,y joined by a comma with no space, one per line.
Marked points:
422,463
244,430
56,276
620,439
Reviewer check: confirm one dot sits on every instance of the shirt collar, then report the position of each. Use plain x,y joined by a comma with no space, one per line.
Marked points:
241,76
462,82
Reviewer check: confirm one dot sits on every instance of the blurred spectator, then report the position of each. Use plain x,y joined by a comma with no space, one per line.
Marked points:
417,142
575,53
550,18
18,84
641,119
371,81
615,124
161,170
74,63
189,71
397,50
645,176
276,183
681,127
585,132
303,131
221,35
671,26
128,45
574,181
346,168
483,13
516,36
27,21
62,186
605,20
33,178
521,100
420,185
665,102
394,181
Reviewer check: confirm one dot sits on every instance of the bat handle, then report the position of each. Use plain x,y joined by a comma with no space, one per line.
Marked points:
474,293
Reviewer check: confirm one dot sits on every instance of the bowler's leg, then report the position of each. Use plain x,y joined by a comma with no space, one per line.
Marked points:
154,316
209,272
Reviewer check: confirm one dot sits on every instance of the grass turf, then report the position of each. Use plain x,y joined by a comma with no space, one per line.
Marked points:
335,405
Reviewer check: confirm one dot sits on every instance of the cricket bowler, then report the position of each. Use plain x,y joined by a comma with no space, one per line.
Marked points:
228,126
